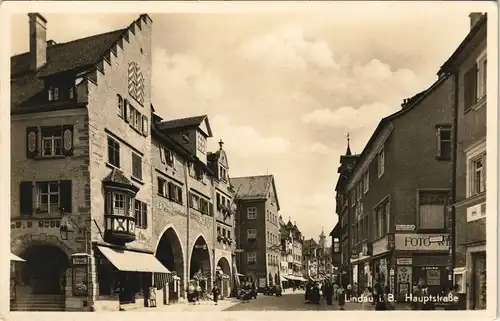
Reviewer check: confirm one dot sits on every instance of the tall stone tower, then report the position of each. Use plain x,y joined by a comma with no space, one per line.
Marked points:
322,239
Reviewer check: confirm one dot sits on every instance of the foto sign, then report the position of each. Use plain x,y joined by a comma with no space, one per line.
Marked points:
422,242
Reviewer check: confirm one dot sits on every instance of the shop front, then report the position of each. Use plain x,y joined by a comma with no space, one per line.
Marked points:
127,279
379,264
421,258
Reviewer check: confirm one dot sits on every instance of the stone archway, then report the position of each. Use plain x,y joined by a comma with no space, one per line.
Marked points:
170,253
223,276
44,272
200,265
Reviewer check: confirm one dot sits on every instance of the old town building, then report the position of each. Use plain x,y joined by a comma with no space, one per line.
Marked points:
192,204
468,67
317,258
397,195
112,207
291,248
258,232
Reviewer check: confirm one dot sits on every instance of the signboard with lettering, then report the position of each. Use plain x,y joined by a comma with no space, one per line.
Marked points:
404,261
380,246
80,281
422,242
405,227
476,212
79,260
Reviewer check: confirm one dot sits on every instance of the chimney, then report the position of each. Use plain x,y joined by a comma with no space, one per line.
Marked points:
474,18
38,40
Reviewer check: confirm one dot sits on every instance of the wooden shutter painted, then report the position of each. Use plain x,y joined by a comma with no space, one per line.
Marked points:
32,137
211,209
144,213
26,198
470,87
145,126
179,194
170,191
162,154
67,139
66,196
126,111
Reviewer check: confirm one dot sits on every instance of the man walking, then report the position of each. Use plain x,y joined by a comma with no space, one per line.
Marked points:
329,293
215,293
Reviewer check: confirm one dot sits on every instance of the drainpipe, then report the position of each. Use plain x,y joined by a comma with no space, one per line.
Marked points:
455,74
188,251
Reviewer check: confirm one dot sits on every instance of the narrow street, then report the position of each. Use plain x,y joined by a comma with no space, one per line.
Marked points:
290,301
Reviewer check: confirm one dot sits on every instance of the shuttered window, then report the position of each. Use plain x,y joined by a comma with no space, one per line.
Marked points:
470,88
45,197
432,210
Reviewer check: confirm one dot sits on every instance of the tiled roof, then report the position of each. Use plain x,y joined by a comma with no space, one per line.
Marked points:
117,177
252,187
77,56
69,55
182,122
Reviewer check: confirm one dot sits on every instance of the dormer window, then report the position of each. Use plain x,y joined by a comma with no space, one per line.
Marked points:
222,173
201,143
56,93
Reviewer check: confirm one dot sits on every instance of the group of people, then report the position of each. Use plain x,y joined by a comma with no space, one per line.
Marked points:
196,293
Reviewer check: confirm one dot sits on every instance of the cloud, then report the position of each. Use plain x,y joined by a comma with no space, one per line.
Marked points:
320,148
348,117
288,48
245,140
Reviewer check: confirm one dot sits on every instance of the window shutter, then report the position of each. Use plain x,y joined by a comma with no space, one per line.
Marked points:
32,142
145,125
26,198
438,142
144,215
66,196
190,200
179,195
470,84
162,155
67,139
170,191
126,110
211,209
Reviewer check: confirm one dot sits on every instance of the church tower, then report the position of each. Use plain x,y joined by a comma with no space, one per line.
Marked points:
322,239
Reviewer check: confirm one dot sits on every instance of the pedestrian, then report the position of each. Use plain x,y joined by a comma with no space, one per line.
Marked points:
215,293
335,289
198,293
417,295
341,295
349,291
428,304
367,298
329,293
379,297
191,293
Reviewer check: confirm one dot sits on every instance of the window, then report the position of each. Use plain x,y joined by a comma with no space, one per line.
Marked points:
222,173
251,213
121,108
366,181
381,162
476,168
174,193
113,152
194,201
163,158
52,141
443,134
201,143
382,219
170,158
162,187
251,257
268,237
251,234
478,173
48,197
135,118
481,75
141,214
136,166
432,210
218,230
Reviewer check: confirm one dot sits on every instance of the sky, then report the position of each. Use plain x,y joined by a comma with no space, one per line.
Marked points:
282,90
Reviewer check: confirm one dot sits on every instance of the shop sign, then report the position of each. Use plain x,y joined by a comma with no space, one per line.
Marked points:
80,260
405,227
380,246
404,261
476,212
391,272
422,242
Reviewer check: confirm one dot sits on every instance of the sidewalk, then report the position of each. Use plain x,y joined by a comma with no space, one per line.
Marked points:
190,307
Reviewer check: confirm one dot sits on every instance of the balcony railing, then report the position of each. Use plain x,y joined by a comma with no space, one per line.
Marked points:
119,229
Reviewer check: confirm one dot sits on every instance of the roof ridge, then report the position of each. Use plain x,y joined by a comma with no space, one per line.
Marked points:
75,40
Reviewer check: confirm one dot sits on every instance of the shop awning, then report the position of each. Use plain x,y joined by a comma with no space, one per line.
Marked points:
131,261
16,258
